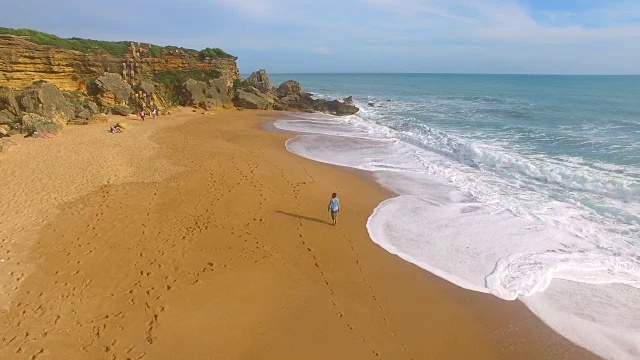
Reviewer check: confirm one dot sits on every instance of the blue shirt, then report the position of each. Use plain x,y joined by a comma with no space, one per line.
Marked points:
334,204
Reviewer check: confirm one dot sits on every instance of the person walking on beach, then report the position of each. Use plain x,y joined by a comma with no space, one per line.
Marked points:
142,114
334,207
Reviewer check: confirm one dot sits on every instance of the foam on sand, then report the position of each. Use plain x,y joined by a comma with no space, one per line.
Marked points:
501,234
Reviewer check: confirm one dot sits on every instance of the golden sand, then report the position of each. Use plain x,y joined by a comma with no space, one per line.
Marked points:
198,236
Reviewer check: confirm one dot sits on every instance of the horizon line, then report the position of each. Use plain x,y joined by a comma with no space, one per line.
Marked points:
434,73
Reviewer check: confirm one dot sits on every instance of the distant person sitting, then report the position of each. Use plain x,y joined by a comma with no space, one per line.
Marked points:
334,207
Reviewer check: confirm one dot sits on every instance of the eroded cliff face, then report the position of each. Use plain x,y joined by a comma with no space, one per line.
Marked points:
23,62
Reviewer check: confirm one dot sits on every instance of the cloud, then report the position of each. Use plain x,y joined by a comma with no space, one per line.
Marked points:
366,35
322,50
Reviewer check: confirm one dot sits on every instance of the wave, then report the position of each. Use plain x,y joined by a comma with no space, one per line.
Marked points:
496,220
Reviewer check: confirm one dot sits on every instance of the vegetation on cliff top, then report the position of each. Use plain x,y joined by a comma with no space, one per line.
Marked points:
115,48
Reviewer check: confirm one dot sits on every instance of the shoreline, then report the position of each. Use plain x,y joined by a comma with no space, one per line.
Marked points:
231,256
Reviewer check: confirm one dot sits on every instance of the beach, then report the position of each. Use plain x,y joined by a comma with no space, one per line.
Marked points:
198,236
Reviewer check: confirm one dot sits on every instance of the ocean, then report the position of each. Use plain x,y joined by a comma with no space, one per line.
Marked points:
525,187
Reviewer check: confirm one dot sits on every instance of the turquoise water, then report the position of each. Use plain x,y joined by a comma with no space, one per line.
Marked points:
522,186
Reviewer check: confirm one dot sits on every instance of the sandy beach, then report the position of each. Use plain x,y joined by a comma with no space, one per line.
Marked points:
198,236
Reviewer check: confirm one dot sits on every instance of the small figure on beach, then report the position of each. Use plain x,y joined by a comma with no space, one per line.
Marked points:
334,207
115,129
154,113
142,114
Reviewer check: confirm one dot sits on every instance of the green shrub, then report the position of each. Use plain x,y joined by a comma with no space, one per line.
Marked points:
155,51
117,48
213,53
239,84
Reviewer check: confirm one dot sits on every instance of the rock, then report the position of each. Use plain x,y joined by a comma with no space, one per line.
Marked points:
289,88
335,107
8,102
280,106
148,87
47,100
5,144
371,104
92,107
259,80
205,95
6,117
4,130
83,114
121,110
348,100
36,125
251,100
91,119
112,90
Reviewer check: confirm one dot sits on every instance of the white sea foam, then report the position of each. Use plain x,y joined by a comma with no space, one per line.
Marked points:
498,222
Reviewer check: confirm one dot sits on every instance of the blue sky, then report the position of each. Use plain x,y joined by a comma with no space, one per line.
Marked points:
457,36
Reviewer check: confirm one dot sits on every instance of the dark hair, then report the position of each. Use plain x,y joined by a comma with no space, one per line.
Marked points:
334,195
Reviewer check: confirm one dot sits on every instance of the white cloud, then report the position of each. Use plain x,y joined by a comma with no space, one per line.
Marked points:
322,50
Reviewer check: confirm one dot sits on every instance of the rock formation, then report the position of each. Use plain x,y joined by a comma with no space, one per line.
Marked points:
253,93
47,100
205,95
22,62
259,80
44,88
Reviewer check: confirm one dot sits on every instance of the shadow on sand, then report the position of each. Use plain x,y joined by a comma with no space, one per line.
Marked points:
301,217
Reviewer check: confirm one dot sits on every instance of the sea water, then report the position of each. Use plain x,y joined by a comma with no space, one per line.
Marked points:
525,187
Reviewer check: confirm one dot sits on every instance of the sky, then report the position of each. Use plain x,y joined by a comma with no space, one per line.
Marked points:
293,36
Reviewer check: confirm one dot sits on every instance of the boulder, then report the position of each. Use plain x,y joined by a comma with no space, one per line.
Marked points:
84,114
251,100
148,88
259,80
92,107
8,103
348,100
205,95
4,130
121,110
45,99
289,88
112,90
336,107
7,117
36,125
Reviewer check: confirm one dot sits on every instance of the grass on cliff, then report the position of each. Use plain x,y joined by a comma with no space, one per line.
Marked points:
213,53
115,48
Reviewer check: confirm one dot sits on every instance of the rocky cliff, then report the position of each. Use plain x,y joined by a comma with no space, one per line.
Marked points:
47,82
22,62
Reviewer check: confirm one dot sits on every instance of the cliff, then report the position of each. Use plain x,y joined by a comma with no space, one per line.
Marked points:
47,82
23,61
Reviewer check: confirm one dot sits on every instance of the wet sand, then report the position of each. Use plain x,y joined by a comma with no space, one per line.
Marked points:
198,236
